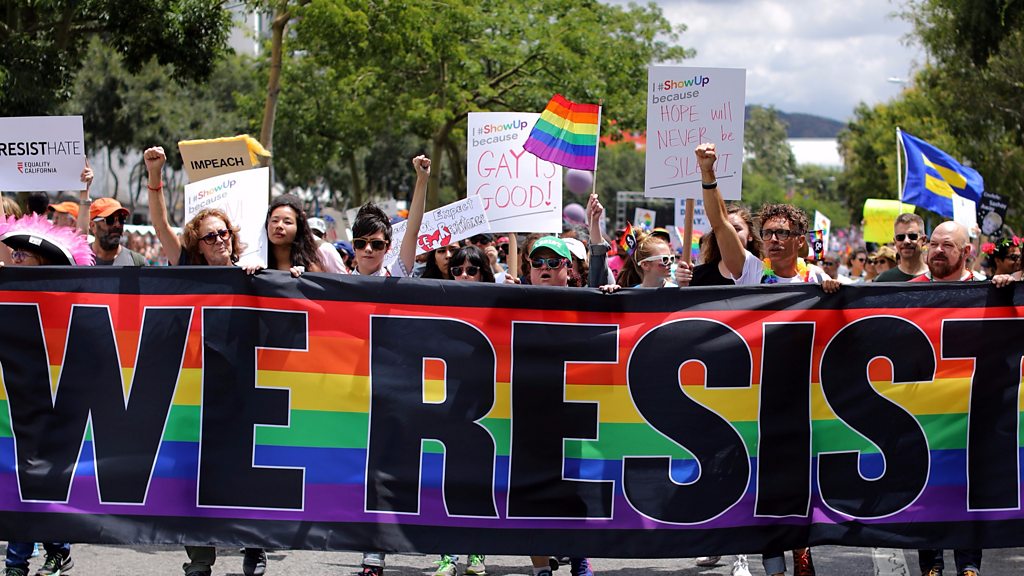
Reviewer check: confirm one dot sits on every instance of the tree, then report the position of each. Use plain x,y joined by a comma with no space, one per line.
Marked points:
43,43
764,143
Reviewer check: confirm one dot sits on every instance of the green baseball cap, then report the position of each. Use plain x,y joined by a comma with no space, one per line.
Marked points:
556,245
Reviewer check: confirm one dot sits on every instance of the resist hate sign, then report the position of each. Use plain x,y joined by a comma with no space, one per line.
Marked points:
520,192
243,195
44,153
687,107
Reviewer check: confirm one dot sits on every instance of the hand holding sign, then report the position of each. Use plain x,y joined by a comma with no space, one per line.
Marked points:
87,176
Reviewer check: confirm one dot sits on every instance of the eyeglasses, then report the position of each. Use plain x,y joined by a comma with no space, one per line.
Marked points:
665,261
552,263
779,233
861,259
911,236
375,245
211,238
873,261
469,270
1013,257
828,262
19,256
110,219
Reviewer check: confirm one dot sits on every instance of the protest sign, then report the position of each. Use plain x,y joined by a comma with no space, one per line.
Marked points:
41,153
700,218
687,107
335,225
519,191
644,219
823,223
879,217
441,227
992,212
965,212
208,158
329,412
243,196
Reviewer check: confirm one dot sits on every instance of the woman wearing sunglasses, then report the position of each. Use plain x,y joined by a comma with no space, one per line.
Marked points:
470,264
438,262
651,265
208,239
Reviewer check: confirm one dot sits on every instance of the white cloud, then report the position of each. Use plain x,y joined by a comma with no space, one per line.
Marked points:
814,56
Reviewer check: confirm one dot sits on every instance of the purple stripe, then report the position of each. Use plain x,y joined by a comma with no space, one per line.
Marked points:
344,503
558,156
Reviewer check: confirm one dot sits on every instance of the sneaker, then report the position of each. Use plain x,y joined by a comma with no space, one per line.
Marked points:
580,567
254,563
445,567
15,571
802,563
556,561
56,564
475,565
544,573
198,573
708,561
372,570
740,566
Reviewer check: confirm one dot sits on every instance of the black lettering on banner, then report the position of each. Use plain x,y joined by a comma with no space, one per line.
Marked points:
993,425
400,419
542,420
233,406
784,421
49,430
714,443
890,427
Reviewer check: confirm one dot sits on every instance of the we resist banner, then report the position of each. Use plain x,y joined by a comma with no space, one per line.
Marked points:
330,412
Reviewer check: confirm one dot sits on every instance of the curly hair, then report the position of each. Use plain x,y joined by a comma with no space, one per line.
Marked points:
631,274
190,235
709,252
303,249
795,216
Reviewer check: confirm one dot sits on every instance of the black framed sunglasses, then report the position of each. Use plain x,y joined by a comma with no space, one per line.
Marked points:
911,236
212,237
552,263
120,218
375,245
779,233
469,270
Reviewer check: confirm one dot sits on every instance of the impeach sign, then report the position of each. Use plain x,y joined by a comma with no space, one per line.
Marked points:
204,159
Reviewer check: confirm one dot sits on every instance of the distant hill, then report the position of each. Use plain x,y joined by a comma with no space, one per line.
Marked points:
809,125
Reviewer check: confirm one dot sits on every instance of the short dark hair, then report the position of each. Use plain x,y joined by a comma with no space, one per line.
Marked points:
909,217
371,219
475,257
795,216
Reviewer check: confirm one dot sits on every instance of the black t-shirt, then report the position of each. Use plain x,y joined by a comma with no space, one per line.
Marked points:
709,275
184,259
894,275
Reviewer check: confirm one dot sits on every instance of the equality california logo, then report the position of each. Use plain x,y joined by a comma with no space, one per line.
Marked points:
21,167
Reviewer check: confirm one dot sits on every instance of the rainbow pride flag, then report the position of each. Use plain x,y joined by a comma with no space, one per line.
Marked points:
567,134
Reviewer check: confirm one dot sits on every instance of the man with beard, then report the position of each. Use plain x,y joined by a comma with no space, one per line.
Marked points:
948,250
910,240
107,218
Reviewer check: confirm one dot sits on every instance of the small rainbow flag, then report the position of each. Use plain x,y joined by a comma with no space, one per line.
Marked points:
567,134
628,239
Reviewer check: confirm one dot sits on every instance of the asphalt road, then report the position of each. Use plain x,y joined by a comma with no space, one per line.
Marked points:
829,561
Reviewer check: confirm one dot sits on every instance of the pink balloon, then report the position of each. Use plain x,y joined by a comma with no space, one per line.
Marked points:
574,213
579,181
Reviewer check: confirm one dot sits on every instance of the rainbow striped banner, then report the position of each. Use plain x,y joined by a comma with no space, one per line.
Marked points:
567,134
198,405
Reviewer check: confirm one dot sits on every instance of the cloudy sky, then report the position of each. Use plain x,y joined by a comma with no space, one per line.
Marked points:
814,56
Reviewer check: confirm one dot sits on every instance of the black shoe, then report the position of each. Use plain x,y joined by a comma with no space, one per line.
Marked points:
255,562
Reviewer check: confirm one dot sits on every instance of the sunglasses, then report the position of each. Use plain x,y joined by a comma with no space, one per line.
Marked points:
552,263
469,270
665,261
1013,257
873,261
375,245
861,259
912,237
211,238
19,256
779,233
828,262
120,218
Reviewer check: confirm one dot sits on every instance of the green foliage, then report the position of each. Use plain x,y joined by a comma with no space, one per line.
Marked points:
43,44
764,143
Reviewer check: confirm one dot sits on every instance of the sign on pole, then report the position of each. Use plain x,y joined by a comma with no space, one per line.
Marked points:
244,197
441,227
879,217
823,223
208,158
519,191
687,107
41,153
992,212
644,219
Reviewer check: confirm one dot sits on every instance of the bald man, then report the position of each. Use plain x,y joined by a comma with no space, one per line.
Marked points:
948,249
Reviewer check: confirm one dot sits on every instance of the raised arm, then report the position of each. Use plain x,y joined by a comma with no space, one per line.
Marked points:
82,222
729,243
416,209
155,159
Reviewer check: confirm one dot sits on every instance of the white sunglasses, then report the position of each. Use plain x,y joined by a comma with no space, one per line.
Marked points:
663,260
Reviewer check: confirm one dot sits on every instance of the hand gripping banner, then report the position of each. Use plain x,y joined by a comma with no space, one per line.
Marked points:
199,405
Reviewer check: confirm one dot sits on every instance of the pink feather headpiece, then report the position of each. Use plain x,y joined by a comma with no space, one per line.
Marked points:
62,244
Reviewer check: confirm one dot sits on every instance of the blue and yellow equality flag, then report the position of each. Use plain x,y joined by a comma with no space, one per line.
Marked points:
934,176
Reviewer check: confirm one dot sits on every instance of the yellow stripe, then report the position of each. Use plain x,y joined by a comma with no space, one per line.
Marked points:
954,178
564,124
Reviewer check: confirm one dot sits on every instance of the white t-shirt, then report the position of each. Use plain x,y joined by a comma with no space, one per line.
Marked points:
753,272
396,270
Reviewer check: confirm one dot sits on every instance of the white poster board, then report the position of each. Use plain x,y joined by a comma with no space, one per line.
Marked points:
203,160
700,218
41,153
441,227
244,197
519,191
644,219
687,107
823,223
965,212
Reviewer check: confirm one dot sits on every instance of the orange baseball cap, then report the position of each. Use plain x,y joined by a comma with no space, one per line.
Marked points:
103,207
66,208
